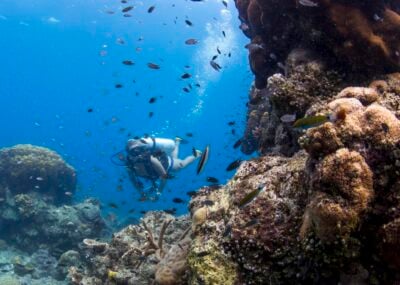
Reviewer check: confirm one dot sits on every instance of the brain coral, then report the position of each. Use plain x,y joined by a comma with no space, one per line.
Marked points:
26,168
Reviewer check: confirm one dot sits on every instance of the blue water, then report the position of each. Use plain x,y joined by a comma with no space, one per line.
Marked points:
60,58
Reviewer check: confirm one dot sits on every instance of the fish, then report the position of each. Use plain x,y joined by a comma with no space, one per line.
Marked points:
188,23
208,203
191,193
190,135
151,114
191,41
127,9
307,3
152,100
231,123
113,205
214,57
251,223
203,253
215,65
249,197
90,110
218,50
128,62
194,152
120,41
118,85
170,211
178,200
186,76
153,65
151,9
227,231
237,143
186,89
223,33
212,179
127,15
310,121
288,118
203,160
68,193
225,3
234,164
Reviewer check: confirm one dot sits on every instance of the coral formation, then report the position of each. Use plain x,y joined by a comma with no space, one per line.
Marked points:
362,36
154,251
28,168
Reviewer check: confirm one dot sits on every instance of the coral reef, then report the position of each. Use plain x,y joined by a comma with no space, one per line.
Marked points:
326,215
153,252
362,36
28,168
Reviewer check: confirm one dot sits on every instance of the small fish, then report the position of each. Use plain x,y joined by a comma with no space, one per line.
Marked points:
191,193
152,100
90,110
227,231
233,165
127,9
237,143
190,135
191,42
178,200
128,62
223,33
188,23
170,211
311,121
218,50
215,65
214,57
120,41
151,114
208,203
194,152
113,205
151,9
127,15
153,65
186,76
186,89
307,3
288,118
212,179
69,194
249,197
231,123
225,3
203,160
39,178
118,85
251,223
203,253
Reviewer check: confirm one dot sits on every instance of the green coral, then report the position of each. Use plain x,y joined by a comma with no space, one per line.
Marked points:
211,266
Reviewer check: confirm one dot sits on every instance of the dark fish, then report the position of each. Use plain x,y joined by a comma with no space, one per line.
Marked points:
120,41
186,76
231,123
153,65
178,200
118,85
251,223
191,193
215,65
208,203
194,152
127,15
186,89
218,50
144,212
311,121
191,41
124,1
109,12
189,135
233,165
152,100
170,211
203,159
203,253
151,9
128,62
197,84
90,110
229,54
237,143
127,9
214,57
225,3
151,114
227,231
113,205
188,23
212,179
249,197
223,33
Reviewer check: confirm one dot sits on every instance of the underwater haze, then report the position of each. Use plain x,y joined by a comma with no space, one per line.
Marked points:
64,86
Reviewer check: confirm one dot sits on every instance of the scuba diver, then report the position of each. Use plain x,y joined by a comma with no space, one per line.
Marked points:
154,159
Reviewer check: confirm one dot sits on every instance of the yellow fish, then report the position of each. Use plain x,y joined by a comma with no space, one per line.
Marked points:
311,121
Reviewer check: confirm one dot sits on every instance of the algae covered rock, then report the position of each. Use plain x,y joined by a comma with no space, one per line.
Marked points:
28,168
